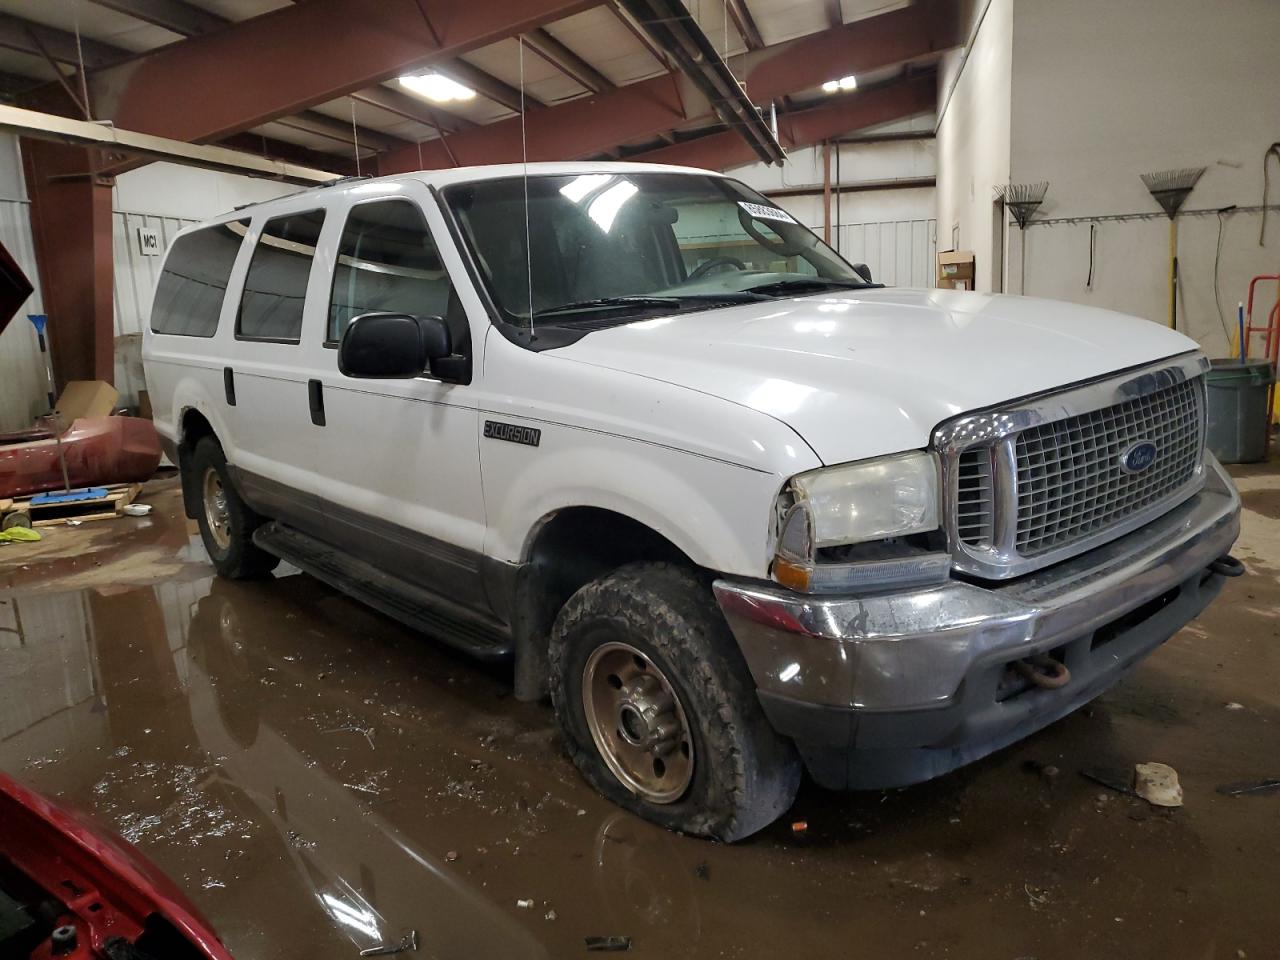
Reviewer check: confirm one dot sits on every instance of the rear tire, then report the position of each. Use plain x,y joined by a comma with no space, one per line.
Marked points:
226,521
659,709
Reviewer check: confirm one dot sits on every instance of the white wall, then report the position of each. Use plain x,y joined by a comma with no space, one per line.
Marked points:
974,138
1104,91
162,196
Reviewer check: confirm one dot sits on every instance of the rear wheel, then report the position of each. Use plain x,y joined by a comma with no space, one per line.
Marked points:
226,521
659,709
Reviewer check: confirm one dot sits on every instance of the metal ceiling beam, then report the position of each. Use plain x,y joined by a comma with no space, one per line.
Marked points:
411,108
673,29
854,111
323,125
110,139
27,37
566,61
745,24
592,125
487,85
273,149
294,57
175,16
625,19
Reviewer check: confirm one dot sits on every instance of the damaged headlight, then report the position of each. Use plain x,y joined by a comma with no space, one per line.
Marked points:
858,526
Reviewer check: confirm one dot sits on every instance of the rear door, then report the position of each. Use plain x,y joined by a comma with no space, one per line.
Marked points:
398,459
277,352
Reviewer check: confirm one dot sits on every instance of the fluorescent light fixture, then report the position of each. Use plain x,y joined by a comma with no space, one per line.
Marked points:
844,83
437,87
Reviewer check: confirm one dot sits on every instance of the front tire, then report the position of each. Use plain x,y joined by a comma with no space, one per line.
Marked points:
226,521
659,710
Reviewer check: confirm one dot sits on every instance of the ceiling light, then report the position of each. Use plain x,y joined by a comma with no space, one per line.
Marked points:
437,87
844,83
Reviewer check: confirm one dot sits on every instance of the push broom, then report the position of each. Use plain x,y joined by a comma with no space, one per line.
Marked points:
1170,188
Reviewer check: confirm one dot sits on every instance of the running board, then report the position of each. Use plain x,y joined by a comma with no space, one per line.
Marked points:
411,605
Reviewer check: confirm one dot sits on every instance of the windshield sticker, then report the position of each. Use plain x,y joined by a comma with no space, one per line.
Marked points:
761,212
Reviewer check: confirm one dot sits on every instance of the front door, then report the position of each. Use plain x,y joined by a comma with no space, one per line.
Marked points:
399,464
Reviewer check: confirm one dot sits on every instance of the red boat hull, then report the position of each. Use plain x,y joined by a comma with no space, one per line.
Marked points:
97,451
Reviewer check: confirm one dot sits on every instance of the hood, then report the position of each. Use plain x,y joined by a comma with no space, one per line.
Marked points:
863,373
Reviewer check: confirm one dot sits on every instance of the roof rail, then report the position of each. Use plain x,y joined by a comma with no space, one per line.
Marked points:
319,186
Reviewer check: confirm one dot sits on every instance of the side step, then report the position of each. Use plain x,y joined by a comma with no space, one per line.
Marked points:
410,604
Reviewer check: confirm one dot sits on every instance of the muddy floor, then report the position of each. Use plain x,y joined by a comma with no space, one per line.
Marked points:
321,779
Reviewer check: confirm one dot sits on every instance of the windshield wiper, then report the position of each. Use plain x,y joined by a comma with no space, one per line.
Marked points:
673,301
813,284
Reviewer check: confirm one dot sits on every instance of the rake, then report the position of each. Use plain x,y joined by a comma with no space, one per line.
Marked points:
1170,188
1023,199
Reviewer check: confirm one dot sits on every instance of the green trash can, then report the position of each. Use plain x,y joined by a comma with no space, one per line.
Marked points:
1238,409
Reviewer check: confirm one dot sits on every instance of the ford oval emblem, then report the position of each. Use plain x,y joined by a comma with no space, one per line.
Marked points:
1138,457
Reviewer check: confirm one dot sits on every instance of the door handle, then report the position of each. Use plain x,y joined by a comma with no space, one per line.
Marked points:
229,385
315,398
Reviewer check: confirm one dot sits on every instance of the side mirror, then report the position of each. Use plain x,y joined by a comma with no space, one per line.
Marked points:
863,271
392,346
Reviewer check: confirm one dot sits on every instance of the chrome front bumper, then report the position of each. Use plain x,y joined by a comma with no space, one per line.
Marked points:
933,658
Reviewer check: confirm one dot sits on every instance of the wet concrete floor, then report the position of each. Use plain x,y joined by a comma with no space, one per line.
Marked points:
320,779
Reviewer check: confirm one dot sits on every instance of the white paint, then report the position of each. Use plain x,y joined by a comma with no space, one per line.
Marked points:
688,424
973,138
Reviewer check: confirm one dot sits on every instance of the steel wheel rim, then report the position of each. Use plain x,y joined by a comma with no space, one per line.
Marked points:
216,515
637,722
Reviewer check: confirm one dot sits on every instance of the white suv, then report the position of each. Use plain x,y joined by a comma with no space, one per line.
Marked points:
737,508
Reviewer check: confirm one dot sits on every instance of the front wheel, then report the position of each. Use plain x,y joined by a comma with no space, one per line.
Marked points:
659,709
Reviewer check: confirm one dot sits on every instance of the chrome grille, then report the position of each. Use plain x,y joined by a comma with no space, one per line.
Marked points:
975,497
1035,482
1069,479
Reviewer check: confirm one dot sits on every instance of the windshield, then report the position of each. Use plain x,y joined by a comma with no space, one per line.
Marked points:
618,246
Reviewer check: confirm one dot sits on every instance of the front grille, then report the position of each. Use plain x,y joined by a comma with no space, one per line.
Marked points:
1026,491
975,497
1069,479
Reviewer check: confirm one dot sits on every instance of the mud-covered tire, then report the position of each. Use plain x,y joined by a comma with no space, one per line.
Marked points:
744,774
232,551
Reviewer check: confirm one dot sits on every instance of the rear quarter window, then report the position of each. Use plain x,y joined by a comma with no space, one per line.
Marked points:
194,280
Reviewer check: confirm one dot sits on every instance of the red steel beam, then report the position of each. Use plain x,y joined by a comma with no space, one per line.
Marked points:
855,111
292,58
593,126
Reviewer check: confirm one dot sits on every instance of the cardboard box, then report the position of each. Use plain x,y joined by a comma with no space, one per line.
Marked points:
955,269
86,398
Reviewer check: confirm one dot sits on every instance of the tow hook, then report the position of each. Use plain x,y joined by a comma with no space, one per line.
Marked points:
1227,566
1043,671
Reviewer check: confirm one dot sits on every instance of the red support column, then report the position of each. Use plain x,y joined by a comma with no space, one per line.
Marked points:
71,221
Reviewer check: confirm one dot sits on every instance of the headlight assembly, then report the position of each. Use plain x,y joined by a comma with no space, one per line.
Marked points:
843,528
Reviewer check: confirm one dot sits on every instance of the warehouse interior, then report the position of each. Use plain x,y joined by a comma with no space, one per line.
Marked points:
319,779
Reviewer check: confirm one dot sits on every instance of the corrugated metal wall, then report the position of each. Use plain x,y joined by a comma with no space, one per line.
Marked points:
135,282
901,253
22,377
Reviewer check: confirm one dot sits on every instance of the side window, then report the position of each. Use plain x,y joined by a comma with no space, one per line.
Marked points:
387,263
276,287
194,280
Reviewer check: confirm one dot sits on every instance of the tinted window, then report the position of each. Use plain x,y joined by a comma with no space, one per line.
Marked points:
387,262
194,281
276,287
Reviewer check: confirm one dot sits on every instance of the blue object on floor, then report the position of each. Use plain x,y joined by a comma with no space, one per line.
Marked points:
73,496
